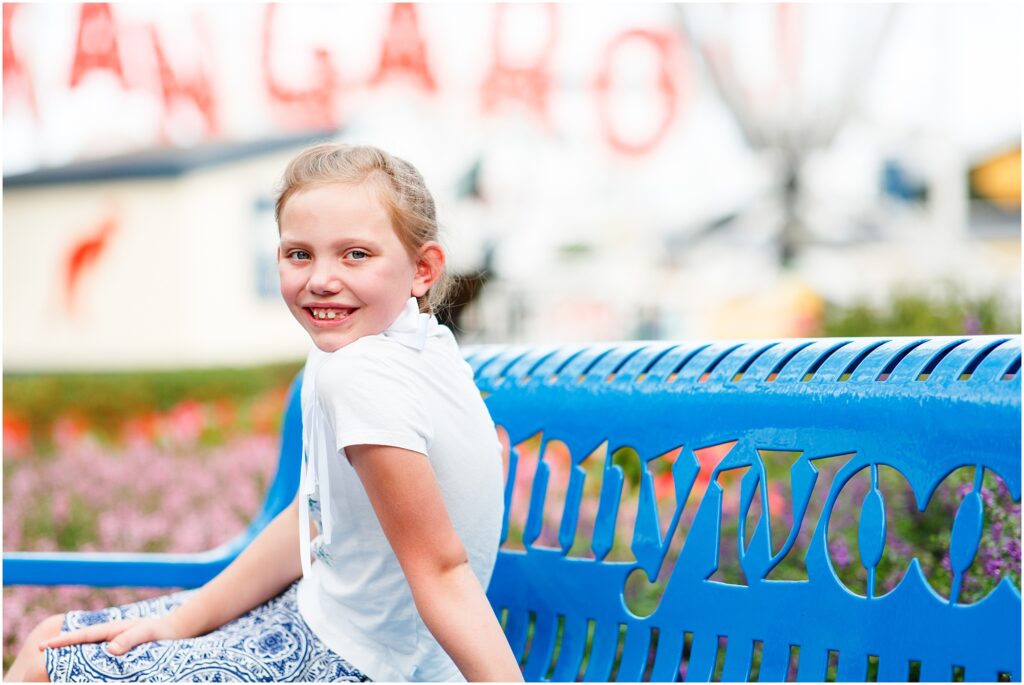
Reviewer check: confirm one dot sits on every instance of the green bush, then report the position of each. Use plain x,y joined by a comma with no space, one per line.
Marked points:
911,312
105,401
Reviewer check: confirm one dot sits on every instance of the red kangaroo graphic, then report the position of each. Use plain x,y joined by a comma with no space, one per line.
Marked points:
84,255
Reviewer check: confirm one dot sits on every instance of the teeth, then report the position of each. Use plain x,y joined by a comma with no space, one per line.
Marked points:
328,313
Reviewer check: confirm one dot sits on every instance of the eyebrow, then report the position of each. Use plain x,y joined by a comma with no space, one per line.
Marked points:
345,242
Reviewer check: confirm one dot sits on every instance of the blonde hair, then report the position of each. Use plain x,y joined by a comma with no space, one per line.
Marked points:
402,192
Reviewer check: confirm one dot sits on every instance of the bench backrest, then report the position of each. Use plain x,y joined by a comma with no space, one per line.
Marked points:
922,407
844,410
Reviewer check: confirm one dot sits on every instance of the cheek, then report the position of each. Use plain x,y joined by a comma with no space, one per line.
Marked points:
404,271
372,277
290,282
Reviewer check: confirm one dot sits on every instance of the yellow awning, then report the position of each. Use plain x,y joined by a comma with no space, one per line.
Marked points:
998,179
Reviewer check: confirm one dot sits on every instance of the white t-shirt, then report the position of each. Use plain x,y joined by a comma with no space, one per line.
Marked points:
407,387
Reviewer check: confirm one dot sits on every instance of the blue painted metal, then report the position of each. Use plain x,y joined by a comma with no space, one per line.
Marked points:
905,403
921,406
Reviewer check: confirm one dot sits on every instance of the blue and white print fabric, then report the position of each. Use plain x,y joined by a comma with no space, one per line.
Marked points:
271,643
318,547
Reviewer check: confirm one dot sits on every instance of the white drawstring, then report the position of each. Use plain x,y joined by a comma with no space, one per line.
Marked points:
304,519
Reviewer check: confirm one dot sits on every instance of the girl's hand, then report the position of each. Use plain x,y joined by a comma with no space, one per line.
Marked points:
122,634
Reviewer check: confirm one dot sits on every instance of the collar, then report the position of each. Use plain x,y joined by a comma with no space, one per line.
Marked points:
411,326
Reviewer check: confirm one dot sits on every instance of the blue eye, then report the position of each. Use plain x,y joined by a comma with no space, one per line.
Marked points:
358,252
298,254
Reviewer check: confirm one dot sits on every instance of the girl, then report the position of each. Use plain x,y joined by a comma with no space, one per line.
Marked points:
401,482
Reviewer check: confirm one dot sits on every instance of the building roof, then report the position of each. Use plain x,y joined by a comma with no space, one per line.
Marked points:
165,162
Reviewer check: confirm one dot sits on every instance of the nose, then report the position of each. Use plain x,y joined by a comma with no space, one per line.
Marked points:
324,279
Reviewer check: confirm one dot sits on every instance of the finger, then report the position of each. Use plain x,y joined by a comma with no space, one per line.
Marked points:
97,633
127,639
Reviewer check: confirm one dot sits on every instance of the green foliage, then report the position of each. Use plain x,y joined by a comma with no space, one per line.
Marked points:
105,401
912,312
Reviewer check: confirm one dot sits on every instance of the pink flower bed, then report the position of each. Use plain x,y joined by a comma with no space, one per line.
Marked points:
166,494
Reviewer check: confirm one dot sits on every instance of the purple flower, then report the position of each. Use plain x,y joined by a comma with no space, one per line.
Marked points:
946,565
997,531
972,324
1013,549
993,568
840,552
986,496
1001,488
899,546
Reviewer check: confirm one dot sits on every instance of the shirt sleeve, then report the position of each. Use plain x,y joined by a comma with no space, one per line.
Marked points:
370,397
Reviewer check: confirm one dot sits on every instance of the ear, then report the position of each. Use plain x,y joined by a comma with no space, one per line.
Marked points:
278,253
429,267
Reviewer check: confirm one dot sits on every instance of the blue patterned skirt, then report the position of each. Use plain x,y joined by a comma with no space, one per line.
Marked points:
271,643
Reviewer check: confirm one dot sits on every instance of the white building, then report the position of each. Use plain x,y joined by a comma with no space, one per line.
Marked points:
150,260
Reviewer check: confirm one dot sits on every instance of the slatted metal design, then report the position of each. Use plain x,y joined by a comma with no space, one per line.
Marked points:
922,406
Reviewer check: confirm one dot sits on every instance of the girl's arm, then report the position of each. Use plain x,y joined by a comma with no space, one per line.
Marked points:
407,500
263,570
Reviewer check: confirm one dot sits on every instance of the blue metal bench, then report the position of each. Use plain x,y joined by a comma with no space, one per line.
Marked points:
921,406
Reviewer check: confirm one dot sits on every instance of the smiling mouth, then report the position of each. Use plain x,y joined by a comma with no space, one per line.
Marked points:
329,315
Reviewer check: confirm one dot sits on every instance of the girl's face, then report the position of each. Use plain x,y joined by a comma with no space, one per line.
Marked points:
344,273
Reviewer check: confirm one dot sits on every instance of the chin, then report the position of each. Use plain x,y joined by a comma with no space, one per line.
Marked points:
330,345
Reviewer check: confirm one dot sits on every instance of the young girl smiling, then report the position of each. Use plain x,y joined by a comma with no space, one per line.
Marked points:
401,480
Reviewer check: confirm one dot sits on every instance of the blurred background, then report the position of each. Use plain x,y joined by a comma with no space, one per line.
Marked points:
613,172
602,173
